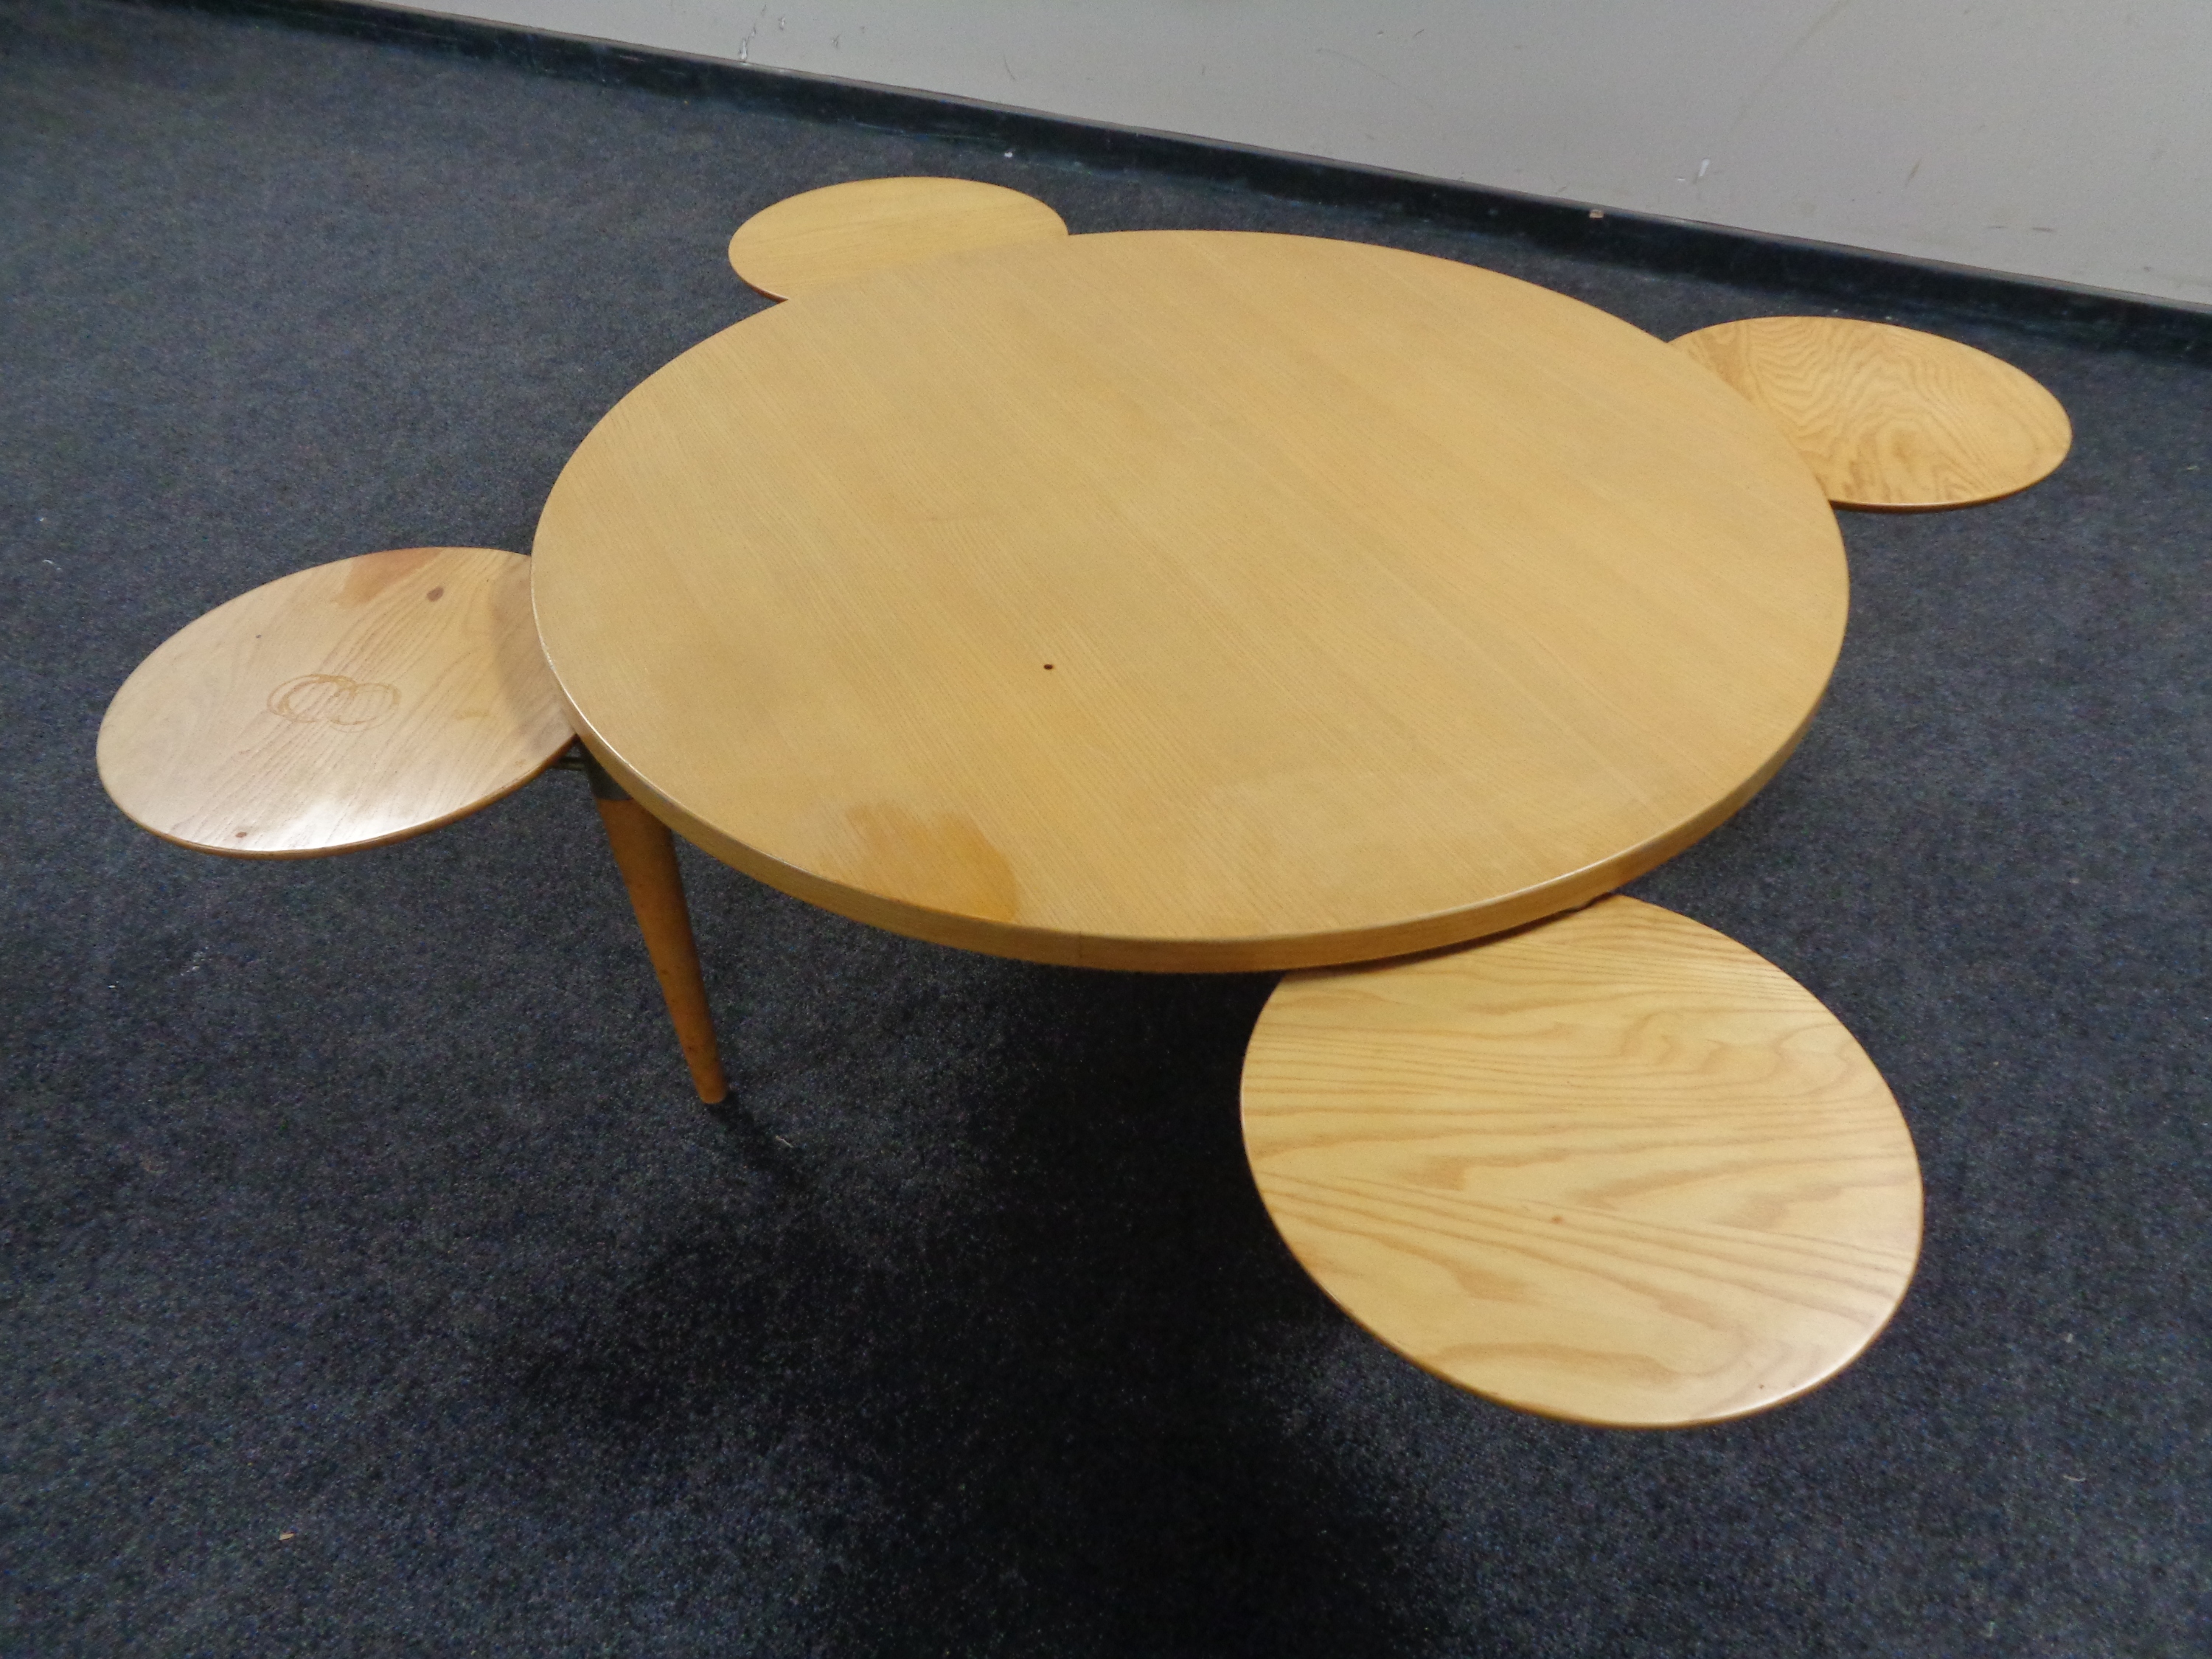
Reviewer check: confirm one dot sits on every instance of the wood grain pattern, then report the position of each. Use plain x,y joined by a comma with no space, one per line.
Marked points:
350,704
1188,600
1891,418
842,231
1613,1168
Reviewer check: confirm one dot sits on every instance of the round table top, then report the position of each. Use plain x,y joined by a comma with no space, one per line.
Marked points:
1892,419
350,704
839,231
1189,600
1614,1167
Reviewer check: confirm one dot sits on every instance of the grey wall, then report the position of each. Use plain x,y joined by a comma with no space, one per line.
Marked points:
2048,138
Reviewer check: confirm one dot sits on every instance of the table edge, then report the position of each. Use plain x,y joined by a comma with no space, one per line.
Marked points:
1275,953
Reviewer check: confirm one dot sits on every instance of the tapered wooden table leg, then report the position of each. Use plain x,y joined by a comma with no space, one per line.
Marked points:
646,852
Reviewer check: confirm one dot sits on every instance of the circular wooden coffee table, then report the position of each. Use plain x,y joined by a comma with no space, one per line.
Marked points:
346,706
1613,1168
842,231
1891,419
1189,600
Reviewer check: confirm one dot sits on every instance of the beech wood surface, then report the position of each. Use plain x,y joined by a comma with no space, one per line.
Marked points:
1613,1168
646,854
355,703
842,231
1188,600
1891,418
